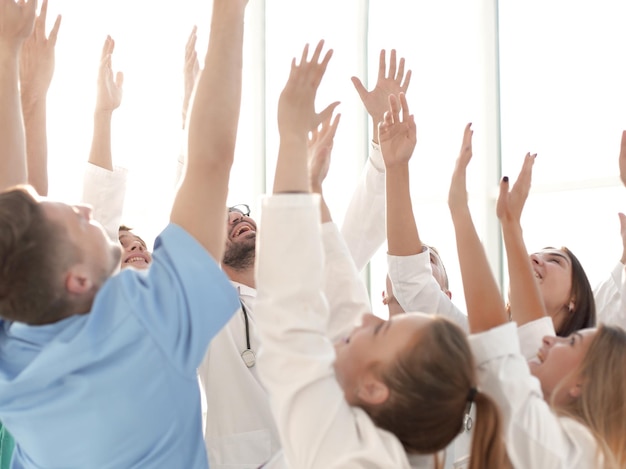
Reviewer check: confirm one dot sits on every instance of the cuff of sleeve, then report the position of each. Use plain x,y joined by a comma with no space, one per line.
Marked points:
495,343
376,158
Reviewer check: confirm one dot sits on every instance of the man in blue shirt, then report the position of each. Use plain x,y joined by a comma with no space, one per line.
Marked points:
99,371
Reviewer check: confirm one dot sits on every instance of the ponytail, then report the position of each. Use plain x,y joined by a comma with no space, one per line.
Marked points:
488,448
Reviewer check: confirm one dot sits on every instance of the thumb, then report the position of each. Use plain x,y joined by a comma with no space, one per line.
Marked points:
622,222
502,203
358,85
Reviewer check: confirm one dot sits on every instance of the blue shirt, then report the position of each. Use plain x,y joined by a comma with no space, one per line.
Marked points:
117,388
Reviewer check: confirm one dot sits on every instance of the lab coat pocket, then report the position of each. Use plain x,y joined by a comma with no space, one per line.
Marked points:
246,450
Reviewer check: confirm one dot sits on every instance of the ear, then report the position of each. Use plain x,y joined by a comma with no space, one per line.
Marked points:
571,306
576,390
372,390
78,280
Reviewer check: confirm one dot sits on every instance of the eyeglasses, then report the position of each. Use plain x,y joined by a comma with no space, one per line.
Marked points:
240,208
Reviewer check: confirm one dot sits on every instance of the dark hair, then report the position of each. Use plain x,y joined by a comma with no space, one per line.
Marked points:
33,255
583,315
124,228
428,386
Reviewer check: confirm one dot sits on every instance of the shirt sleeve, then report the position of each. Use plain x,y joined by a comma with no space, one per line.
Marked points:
317,427
531,336
366,212
534,435
416,289
105,191
346,294
609,296
184,298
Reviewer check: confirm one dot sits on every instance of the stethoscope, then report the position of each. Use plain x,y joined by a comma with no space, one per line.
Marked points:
248,356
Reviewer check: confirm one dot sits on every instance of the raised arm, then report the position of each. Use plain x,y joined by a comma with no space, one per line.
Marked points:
191,70
366,210
108,99
485,307
36,70
525,298
16,24
320,145
397,142
200,203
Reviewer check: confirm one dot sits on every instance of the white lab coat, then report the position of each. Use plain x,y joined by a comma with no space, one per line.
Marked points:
535,436
317,426
239,430
609,296
105,191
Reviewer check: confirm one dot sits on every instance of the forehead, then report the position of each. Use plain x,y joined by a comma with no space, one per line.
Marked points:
553,252
55,210
127,235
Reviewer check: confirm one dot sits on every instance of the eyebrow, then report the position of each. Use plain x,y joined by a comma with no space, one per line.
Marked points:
558,254
130,235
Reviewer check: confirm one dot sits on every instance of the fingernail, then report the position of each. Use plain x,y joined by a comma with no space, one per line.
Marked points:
505,179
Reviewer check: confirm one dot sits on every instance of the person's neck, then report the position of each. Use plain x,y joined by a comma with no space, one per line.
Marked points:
245,276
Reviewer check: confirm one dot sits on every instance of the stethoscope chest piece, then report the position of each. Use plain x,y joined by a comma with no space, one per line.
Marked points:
249,358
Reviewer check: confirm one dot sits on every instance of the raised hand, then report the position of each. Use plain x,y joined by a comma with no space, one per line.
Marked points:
320,145
457,196
16,21
37,59
397,133
296,105
109,96
297,117
390,81
190,70
511,202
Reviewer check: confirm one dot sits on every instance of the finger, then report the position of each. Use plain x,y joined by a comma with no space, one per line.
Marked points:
52,38
119,79
622,152
405,107
317,52
392,65
105,47
407,80
394,107
527,169
326,113
358,85
400,73
382,65
388,119
40,23
192,37
305,53
503,197
327,57
334,125
467,136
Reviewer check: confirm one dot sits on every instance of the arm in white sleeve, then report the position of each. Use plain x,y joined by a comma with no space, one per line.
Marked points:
609,296
535,436
345,292
416,289
364,223
105,191
317,427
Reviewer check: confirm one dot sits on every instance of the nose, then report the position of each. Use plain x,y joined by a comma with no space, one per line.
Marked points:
85,211
371,320
234,217
135,246
549,341
536,259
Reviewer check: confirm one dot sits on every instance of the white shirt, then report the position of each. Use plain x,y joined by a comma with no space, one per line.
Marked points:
609,296
364,226
535,436
319,429
416,289
240,432
105,191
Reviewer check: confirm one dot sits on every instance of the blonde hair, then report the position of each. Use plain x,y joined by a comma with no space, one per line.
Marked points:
429,392
602,402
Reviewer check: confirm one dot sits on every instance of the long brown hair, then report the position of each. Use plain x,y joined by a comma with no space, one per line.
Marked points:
601,405
430,387
583,315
